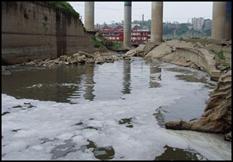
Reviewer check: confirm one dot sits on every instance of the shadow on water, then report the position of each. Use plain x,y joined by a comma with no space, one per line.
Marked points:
172,153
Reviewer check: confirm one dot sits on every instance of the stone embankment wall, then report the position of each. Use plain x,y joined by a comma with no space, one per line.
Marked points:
36,30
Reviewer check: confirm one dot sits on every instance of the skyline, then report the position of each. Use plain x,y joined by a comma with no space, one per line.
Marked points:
110,12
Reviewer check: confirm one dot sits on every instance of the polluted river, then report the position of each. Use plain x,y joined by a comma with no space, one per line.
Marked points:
113,111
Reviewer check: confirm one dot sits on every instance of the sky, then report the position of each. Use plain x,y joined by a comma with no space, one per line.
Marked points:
110,12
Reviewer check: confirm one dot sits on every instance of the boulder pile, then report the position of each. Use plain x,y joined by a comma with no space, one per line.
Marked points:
78,58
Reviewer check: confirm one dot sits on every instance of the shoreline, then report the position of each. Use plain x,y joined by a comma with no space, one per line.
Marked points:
216,117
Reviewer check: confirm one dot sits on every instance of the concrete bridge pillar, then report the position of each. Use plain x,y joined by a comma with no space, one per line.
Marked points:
228,20
127,25
219,20
89,16
156,21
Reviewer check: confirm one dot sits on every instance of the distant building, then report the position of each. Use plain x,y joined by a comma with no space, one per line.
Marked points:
138,35
197,23
207,24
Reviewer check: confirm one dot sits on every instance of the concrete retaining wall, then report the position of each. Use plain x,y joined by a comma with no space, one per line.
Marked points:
35,30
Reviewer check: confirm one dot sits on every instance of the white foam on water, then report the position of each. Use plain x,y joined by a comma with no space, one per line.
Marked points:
34,132
56,120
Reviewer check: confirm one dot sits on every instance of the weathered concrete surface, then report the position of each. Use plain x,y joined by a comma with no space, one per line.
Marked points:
89,16
217,115
127,25
35,30
156,21
219,20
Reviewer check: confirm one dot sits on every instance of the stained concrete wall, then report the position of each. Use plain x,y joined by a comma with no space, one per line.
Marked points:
35,30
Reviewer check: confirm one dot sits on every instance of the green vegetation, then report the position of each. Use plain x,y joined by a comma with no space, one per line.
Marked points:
220,55
99,42
65,6
116,45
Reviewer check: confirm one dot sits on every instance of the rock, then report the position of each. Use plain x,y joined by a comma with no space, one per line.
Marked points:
86,54
173,49
56,61
177,125
31,63
63,58
228,136
6,72
136,51
104,152
159,51
99,60
215,74
76,55
3,68
90,60
78,58
149,46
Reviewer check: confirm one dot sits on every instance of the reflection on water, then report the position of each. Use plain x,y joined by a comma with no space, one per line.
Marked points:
89,83
126,77
155,75
110,81
49,84
70,83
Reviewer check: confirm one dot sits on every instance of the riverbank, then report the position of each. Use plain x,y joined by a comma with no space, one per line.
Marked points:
78,58
206,55
217,114
211,56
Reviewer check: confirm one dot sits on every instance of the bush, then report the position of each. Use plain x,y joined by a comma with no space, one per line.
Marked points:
97,43
220,55
65,6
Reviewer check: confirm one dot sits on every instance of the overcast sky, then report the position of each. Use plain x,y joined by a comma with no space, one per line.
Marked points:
109,12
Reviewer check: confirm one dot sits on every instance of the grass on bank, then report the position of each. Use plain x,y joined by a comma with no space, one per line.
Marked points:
65,6
100,42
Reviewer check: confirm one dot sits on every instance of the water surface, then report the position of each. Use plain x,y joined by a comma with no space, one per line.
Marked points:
110,111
